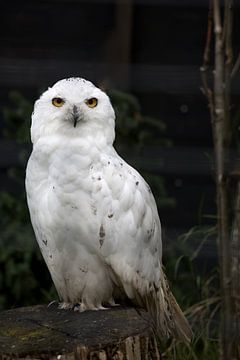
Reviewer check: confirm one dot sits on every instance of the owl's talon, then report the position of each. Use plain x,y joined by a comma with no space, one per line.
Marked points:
51,303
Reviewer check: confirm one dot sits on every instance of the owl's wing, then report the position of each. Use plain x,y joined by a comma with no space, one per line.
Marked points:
134,248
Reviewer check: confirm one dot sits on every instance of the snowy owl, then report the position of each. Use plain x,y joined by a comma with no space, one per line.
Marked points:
94,216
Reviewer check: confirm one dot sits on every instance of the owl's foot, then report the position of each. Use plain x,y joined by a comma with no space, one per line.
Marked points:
82,307
111,302
66,306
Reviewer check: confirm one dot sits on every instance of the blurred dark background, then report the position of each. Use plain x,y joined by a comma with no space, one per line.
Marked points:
152,49
146,53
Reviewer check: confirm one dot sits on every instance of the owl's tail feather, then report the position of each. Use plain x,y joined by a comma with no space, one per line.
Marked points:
168,318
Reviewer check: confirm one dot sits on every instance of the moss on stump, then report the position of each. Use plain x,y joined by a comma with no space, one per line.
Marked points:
39,332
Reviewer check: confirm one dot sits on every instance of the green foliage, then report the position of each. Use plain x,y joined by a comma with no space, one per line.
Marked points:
17,118
200,294
183,263
200,349
133,128
23,275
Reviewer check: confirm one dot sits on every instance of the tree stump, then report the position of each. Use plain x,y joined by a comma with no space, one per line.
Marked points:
39,332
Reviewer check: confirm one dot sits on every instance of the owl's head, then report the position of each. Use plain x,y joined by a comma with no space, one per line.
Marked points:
73,107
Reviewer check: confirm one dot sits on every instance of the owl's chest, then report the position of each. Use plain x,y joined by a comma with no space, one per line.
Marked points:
69,184
61,196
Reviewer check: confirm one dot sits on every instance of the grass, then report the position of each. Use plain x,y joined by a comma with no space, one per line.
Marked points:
195,284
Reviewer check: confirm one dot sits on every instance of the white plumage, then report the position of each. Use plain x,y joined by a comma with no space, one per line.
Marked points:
94,216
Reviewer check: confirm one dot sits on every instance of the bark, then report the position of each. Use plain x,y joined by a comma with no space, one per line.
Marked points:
219,101
235,272
222,142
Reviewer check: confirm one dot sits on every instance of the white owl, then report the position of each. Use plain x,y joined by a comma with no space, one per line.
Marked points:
94,216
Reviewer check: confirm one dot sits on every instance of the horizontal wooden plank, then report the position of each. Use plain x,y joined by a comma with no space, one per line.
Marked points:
171,79
176,3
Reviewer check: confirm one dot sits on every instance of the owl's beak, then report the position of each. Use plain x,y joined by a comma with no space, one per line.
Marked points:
75,115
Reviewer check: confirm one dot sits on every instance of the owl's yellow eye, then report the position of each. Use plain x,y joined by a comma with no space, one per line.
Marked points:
58,102
92,102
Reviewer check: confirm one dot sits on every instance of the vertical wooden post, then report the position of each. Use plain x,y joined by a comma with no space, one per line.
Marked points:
118,46
235,274
219,99
220,147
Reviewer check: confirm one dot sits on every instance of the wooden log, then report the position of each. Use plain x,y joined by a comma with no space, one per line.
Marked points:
39,332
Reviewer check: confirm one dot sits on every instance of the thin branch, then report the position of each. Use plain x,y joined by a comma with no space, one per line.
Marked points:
220,138
209,35
228,24
236,66
235,264
207,91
